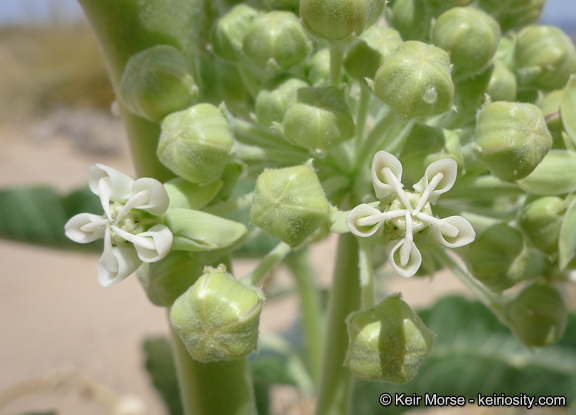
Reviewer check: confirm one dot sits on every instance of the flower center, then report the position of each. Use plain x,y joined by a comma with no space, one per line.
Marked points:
418,225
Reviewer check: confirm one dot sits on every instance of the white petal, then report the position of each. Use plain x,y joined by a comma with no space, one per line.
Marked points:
414,260
157,200
117,183
116,264
85,227
364,211
152,245
465,235
449,170
383,186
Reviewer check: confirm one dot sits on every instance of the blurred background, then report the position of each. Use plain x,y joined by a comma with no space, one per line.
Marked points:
66,343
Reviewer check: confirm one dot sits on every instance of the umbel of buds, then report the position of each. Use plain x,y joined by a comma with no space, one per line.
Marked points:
339,19
196,143
289,203
157,82
511,139
218,317
388,342
416,80
470,37
538,315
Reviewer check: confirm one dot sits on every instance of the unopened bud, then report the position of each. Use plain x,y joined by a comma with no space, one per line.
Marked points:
275,97
541,221
513,13
157,82
229,32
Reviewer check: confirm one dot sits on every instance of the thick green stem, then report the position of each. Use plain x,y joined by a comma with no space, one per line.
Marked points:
362,115
336,57
273,258
213,388
299,265
335,387
366,275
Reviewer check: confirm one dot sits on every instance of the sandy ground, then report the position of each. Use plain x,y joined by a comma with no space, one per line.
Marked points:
63,336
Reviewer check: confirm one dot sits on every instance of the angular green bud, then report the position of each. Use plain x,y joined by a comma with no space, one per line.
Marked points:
218,317
275,97
550,107
411,19
502,85
374,46
318,68
416,80
497,258
511,139
194,230
544,57
289,203
319,119
470,37
388,342
229,31
538,315
157,82
541,221
196,143
164,281
339,19
276,41
513,13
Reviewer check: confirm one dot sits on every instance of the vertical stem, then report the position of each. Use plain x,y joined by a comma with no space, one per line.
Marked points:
336,56
311,310
366,275
213,388
362,115
335,385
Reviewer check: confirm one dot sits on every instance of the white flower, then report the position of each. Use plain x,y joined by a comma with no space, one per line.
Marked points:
129,206
410,212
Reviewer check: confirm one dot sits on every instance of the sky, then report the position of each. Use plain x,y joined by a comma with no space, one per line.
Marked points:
558,12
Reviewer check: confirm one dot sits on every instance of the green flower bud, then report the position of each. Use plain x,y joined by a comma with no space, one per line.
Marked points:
388,342
511,139
164,281
276,41
318,68
196,143
229,32
505,52
416,80
339,19
157,82
541,221
289,203
538,315
497,258
319,119
274,98
502,85
374,46
218,317
411,19
544,57
513,13
470,37
550,107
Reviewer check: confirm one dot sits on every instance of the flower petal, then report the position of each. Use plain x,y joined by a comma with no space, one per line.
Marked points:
117,263
85,227
386,184
360,212
431,186
414,260
118,184
157,200
152,245
465,235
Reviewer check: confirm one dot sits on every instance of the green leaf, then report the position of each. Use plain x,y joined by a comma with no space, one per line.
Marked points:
567,241
568,108
37,215
160,366
555,175
474,353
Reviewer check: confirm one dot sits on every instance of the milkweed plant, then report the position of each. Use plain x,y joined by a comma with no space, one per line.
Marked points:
428,135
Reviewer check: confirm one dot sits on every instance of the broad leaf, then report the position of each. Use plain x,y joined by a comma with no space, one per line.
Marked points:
474,353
